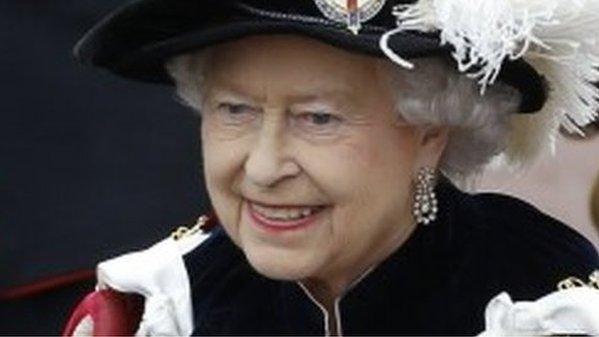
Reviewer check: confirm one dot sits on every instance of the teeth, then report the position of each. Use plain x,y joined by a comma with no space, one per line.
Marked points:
280,213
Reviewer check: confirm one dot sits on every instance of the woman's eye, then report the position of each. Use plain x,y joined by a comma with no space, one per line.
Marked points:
236,113
319,118
235,109
319,123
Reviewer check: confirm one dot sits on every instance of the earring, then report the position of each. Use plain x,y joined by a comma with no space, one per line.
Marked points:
425,200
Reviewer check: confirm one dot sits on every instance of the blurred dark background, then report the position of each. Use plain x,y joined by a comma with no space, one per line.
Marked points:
91,165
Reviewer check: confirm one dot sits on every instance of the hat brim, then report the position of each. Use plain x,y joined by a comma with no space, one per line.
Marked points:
137,39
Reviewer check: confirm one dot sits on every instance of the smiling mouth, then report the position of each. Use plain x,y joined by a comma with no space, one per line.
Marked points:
284,213
283,217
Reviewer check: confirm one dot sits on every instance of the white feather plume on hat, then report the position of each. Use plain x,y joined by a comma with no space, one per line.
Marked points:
559,38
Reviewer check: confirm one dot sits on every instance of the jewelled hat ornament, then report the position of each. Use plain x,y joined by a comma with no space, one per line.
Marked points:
351,12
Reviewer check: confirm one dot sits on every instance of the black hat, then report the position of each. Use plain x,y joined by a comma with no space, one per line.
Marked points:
137,39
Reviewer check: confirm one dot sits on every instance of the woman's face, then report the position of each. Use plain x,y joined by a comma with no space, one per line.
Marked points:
306,165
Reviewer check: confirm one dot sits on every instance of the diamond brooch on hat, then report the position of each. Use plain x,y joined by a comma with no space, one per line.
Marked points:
351,12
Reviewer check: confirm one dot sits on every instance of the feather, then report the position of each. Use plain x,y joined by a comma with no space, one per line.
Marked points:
559,38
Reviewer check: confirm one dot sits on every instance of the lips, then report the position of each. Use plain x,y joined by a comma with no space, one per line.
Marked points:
283,218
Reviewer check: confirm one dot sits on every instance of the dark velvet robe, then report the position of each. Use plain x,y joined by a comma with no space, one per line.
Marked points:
438,282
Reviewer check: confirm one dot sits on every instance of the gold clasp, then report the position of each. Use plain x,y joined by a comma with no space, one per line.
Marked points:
183,231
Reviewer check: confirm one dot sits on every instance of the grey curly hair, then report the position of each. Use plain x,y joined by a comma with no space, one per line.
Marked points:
432,95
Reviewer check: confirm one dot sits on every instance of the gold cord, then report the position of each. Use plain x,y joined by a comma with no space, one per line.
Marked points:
574,282
184,231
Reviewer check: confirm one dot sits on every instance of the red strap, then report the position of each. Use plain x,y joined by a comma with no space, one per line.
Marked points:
112,313
46,285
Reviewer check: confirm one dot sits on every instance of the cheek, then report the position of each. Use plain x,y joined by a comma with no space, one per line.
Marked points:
223,156
368,178
392,170
222,164
368,163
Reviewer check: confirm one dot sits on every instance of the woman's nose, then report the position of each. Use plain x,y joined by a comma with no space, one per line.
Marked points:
269,161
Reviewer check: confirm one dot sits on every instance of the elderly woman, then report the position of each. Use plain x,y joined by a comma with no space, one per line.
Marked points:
334,134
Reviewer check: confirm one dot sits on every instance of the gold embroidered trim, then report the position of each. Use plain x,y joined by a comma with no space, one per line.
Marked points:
184,231
574,282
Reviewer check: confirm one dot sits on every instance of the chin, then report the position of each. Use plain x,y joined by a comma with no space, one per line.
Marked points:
287,268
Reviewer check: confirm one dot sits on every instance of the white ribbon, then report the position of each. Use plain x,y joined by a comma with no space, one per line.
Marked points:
571,311
159,274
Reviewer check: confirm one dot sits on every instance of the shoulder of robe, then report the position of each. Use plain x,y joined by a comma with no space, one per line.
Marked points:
527,251
158,276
